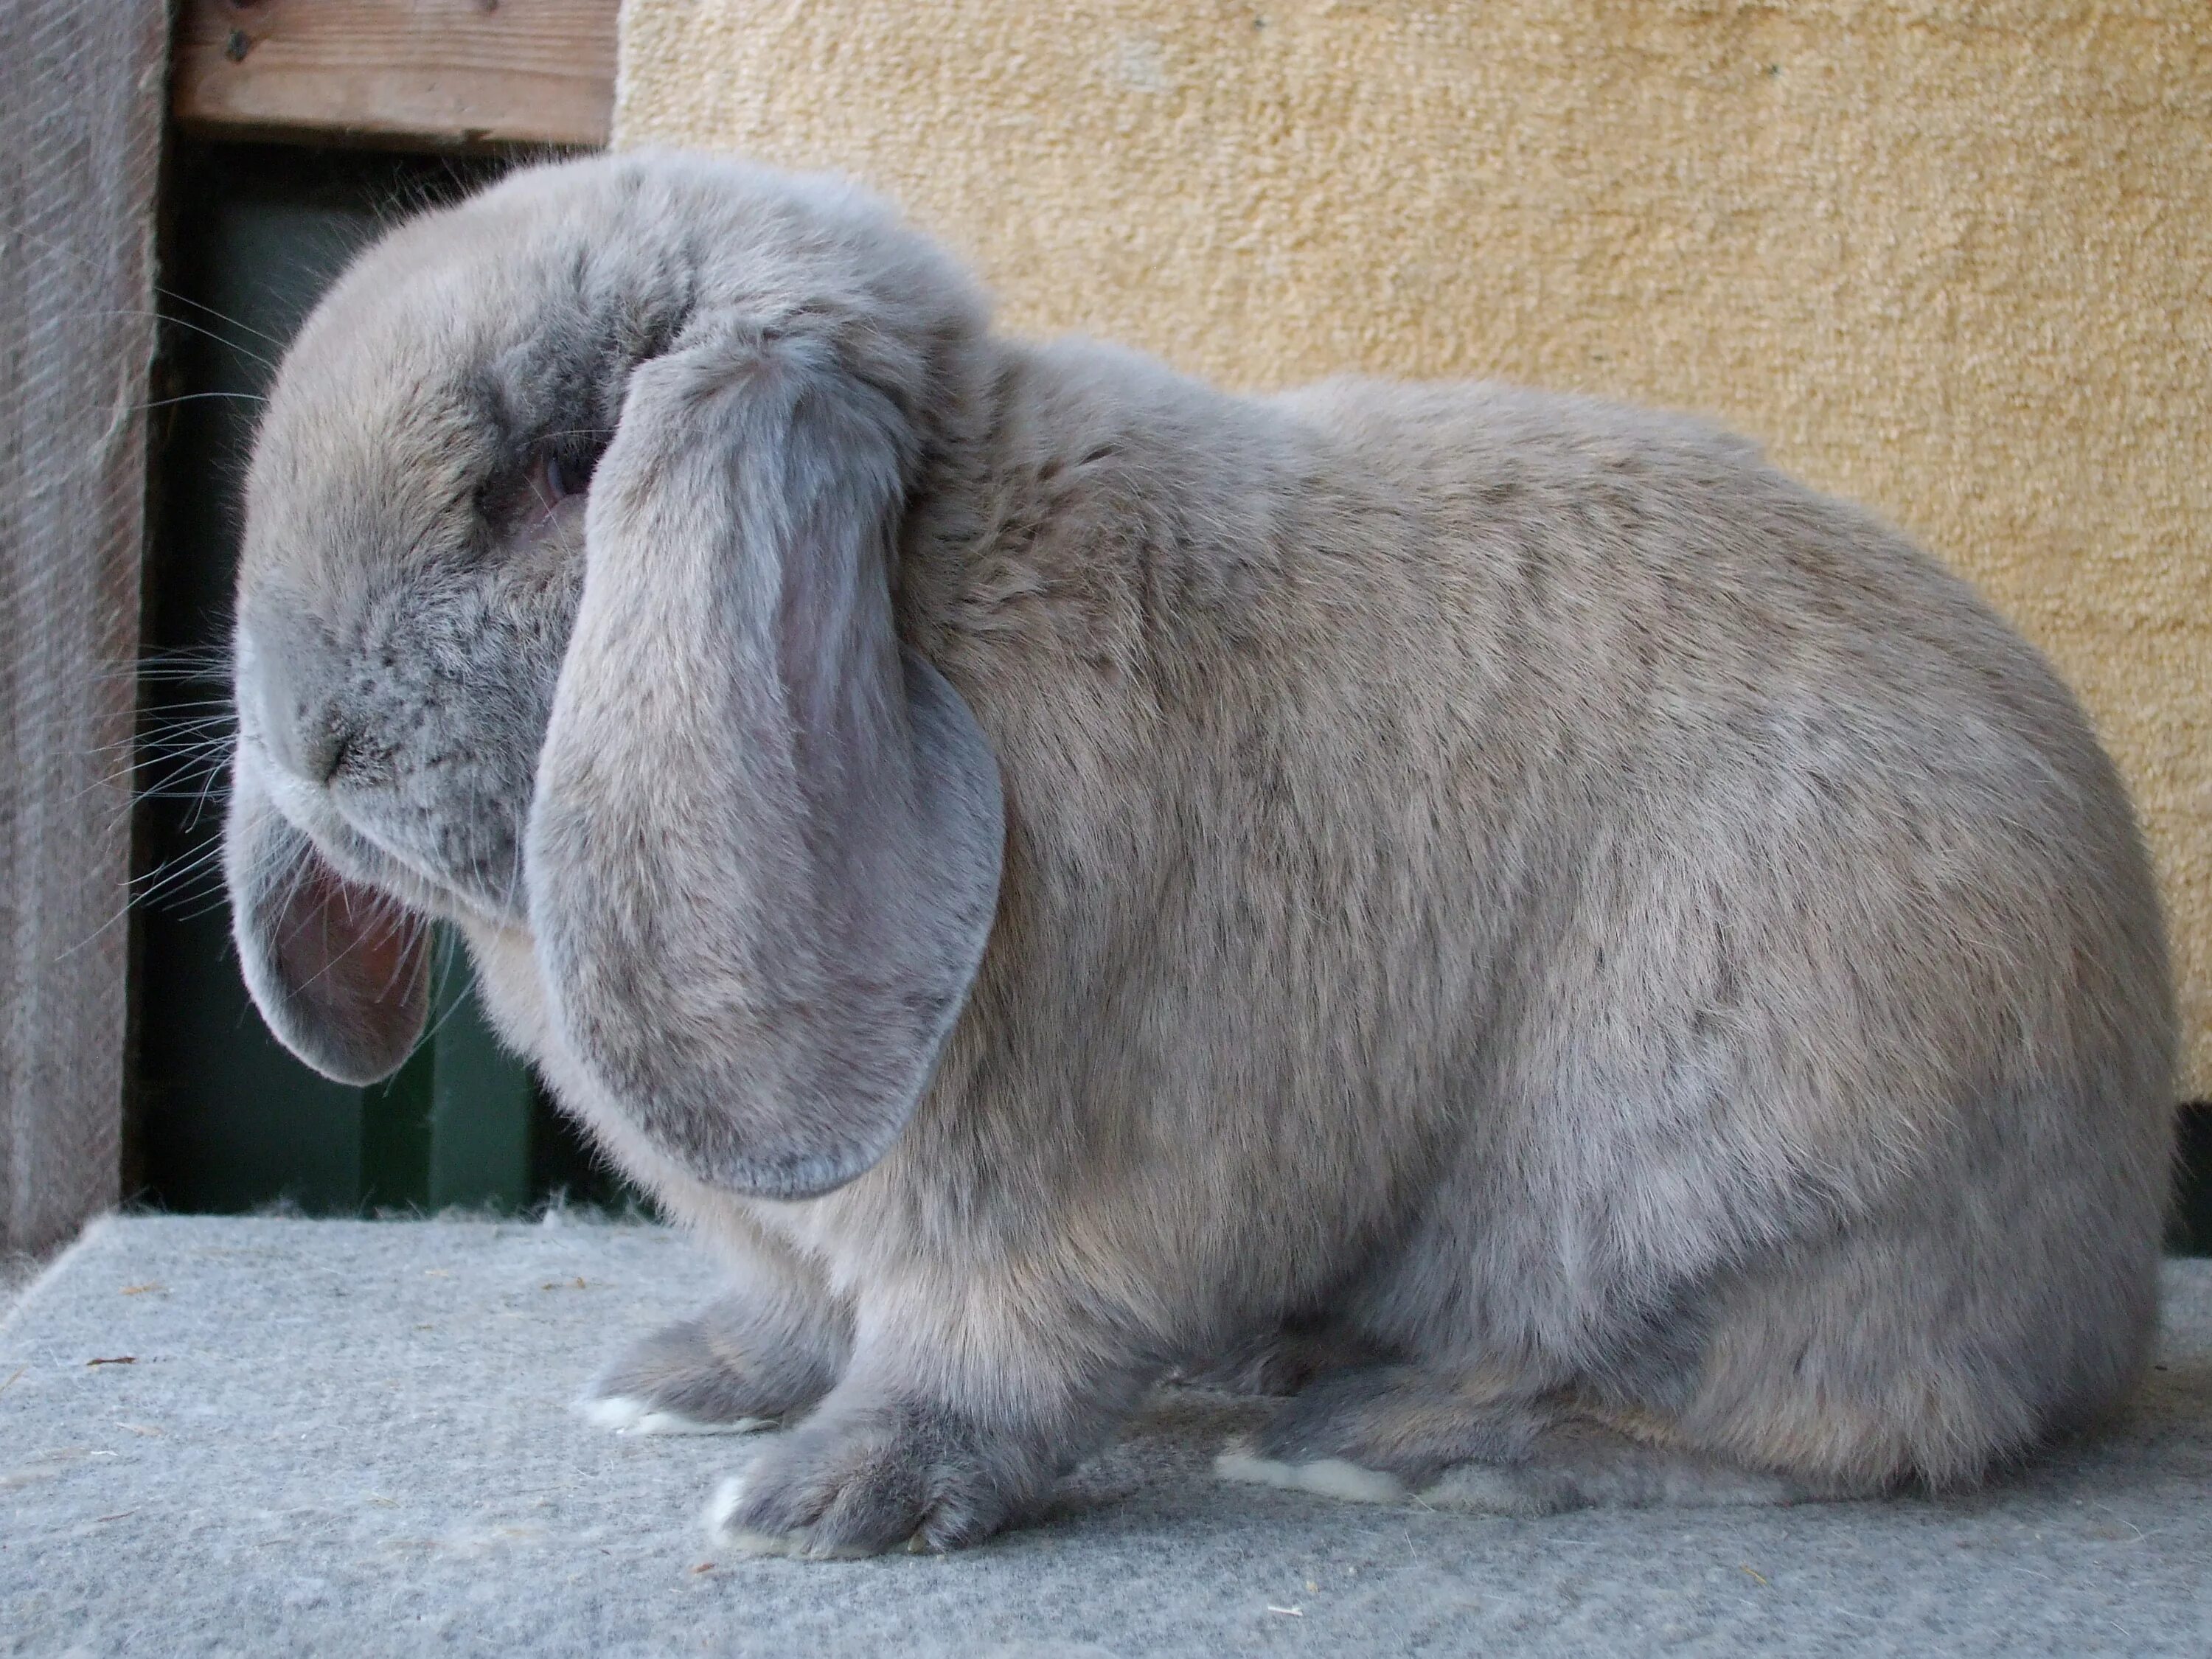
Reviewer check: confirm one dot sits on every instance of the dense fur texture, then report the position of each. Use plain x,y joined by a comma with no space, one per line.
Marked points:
1615,961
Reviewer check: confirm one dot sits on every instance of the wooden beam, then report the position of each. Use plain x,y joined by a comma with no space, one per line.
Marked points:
445,72
80,125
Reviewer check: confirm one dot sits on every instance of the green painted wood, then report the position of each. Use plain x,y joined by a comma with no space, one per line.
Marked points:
2191,1230
395,1139
483,1103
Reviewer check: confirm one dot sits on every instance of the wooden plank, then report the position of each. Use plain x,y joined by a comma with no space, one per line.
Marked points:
462,72
81,124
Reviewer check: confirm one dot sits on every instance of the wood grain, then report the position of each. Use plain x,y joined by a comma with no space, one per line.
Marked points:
458,72
81,125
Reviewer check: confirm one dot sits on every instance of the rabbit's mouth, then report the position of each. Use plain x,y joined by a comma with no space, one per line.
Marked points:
457,878
460,876
353,853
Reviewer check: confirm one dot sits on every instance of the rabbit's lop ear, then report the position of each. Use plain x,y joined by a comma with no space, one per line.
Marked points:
341,972
763,852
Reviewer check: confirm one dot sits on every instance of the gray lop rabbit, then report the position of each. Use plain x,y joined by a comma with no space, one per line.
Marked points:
1612,968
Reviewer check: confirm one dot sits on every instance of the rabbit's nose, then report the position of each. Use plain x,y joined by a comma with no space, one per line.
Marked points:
324,745
299,720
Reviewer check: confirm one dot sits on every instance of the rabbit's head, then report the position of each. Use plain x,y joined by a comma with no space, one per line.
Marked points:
565,605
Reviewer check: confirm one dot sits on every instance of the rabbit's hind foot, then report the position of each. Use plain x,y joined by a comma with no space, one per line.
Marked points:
1390,1434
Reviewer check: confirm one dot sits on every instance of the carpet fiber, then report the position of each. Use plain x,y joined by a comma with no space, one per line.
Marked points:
274,1436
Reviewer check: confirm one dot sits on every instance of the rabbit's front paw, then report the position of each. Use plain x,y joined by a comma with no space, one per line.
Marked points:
738,1366
859,1482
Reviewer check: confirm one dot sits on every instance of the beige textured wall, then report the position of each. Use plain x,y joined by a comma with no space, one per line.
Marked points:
1951,259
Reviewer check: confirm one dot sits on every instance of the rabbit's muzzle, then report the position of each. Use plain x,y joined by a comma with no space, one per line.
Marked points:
432,769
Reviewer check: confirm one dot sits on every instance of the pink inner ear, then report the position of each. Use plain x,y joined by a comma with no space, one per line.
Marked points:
359,959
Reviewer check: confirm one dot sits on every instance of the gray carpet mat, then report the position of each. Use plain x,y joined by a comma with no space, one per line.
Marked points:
258,1436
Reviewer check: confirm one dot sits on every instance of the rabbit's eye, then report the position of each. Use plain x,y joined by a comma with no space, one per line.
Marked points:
560,479
560,474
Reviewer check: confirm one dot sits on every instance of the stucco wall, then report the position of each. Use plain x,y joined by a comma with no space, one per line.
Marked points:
1951,258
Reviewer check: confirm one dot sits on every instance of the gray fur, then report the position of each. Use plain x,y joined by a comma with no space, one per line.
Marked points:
763,1352
1503,882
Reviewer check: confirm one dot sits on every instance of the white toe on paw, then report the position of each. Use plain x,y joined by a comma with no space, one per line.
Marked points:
660,1422
626,1415
720,1506
742,1540
617,1412
1331,1477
